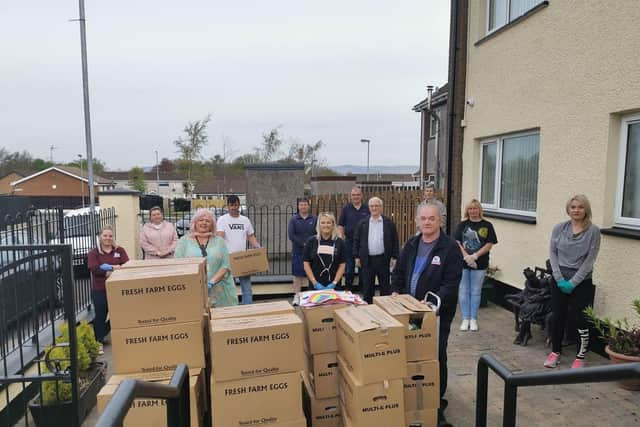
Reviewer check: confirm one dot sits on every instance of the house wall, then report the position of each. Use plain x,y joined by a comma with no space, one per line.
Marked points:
571,70
5,182
42,185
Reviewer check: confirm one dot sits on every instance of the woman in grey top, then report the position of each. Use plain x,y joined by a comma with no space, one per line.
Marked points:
573,251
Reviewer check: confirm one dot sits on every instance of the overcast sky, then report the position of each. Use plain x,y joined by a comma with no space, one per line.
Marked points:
333,70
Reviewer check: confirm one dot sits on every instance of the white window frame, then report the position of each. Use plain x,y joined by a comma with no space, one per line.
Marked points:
624,222
432,126
508,15
495,206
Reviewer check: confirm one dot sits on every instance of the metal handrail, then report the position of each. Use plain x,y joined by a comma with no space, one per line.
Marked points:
176,393
512,381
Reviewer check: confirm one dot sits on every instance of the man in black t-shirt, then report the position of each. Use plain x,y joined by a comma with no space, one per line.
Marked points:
351,214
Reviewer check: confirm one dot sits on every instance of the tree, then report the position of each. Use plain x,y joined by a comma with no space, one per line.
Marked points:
98,165
269,149
136,179
309,154
166,165
190,147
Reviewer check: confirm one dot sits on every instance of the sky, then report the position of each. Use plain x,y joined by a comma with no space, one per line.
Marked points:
336,71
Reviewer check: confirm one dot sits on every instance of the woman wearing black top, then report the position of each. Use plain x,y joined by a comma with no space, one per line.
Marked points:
476,236
324,256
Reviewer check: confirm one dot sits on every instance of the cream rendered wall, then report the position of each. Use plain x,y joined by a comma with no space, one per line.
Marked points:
571,69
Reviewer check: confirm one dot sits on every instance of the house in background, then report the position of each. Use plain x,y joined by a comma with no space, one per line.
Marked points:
8,178
170,184
552,109
434,137
59,181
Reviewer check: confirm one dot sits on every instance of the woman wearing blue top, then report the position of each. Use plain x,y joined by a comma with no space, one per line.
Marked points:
201,241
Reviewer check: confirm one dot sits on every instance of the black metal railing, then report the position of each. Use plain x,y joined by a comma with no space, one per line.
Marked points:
512,381
78,227
176,393
37,295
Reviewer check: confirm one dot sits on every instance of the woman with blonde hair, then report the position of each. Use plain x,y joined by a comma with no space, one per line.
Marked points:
475,236
573,250
201,241
324,254
102,260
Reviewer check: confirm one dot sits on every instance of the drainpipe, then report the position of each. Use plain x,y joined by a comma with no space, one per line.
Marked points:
453,47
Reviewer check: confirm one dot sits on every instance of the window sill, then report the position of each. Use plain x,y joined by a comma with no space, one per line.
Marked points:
511,217
621,232
512,23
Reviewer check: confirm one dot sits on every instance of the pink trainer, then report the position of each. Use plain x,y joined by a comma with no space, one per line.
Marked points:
553,360
578,363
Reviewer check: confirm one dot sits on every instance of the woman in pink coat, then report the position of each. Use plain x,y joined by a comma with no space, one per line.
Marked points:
158,238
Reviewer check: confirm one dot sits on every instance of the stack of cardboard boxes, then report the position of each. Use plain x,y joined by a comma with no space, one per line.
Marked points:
321,377
158,316
256,355
422,382
373,363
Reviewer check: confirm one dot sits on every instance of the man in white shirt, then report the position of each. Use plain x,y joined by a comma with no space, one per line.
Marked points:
375,250
236,230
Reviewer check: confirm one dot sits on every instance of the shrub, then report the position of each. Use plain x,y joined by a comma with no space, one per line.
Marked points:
620,335
58,391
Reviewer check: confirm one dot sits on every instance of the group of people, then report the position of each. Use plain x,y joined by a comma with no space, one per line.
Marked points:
326,251
207,238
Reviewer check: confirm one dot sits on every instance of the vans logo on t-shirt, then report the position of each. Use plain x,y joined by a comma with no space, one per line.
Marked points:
435,260
236,226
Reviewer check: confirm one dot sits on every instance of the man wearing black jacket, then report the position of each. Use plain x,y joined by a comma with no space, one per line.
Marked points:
432,262
375,250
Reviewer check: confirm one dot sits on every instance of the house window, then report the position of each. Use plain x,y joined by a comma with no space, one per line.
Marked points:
628,191
501,12
509,173
432,126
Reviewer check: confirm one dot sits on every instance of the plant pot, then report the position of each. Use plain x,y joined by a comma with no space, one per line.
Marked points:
616,358
61,414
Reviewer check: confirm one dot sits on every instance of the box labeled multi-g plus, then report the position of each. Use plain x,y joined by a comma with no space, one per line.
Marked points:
265,400
154,296
245,347
153,412
320,326
323,374
419,319
379,403
371,343
158,348
250,310
422,385
320,412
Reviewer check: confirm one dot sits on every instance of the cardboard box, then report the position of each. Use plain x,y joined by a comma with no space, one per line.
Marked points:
249,310
170,263
247,347
158,348
422,385
371,343
320,325
426,418
153,412
145,263
269,399
154,296
323,374
249,262
320,412
379,404
302,422
421,338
